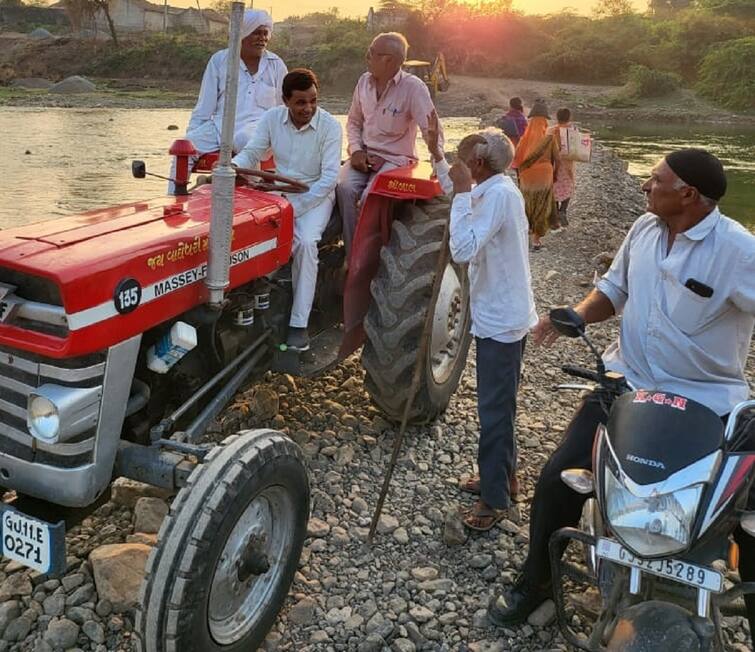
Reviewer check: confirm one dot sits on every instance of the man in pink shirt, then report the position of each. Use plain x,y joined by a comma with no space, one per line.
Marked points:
388,106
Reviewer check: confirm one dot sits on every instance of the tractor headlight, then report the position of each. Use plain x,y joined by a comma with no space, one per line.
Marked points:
43,418
56,414
659,524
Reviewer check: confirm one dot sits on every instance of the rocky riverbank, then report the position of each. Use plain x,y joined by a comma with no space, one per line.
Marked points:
418,587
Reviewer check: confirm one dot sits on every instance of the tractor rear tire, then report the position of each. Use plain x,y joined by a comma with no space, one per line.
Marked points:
401,292
228,550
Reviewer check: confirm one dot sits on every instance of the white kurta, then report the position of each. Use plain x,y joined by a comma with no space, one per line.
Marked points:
312,155
257,93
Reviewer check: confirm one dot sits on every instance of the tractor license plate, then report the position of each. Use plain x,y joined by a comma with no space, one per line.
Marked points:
32,542
679,571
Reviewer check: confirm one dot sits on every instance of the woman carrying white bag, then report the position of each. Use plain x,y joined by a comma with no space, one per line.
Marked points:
574,145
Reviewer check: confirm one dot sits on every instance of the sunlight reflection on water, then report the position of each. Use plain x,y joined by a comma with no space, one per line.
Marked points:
81,159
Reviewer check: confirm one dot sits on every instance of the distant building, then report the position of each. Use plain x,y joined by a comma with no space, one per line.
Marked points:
386,20
135,16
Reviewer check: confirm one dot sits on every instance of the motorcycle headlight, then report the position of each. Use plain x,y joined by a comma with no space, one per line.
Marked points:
652,526
43,419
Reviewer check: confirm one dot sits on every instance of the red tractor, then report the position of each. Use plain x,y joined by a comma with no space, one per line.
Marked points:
87,305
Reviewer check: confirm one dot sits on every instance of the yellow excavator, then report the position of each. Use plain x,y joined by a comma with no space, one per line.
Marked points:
433,74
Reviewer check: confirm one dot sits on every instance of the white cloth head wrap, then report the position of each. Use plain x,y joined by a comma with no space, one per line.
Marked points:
254,18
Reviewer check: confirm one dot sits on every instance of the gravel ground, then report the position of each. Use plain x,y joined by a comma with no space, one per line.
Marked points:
410,590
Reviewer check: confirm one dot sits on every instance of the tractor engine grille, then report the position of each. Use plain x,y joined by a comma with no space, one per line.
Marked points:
41,307
24,372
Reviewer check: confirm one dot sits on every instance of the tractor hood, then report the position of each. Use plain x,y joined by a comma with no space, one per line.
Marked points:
82,283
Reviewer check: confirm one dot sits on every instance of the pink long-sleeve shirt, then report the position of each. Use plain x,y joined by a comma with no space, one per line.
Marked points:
388,126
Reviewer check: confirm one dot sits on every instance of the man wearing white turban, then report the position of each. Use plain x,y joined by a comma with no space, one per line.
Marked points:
260,82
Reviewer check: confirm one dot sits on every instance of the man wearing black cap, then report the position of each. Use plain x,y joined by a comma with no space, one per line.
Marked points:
684,282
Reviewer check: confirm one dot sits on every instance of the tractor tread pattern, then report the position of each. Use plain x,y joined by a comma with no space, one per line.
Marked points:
401,291
192,520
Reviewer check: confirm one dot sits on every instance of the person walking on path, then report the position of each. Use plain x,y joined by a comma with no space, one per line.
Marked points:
513,123
536,158
488,230
563,183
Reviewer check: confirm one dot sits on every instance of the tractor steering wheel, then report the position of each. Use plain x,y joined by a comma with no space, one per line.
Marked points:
270,182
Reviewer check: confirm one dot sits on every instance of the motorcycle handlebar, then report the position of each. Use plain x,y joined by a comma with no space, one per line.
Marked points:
580,372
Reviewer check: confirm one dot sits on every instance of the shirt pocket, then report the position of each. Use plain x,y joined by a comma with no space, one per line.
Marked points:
393,120
688,311
265,95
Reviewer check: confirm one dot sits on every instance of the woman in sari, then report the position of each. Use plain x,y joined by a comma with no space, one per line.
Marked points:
563,182
536,158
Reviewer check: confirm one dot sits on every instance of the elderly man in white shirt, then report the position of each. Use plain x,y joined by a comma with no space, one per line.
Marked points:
488,230
261,75
306,143
684,279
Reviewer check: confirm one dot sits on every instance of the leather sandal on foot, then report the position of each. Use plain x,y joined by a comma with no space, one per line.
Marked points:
482,518
472,486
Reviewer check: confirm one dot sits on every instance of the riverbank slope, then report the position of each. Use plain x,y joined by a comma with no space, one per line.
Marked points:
467,96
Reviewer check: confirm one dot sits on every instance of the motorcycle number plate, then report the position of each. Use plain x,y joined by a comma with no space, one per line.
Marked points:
32,542
673,569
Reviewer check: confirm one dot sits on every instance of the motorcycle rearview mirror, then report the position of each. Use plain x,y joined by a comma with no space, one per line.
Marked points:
570,323
139,169
567,322
747,521
580,480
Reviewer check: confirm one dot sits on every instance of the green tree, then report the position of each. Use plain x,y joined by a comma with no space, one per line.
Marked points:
739,8
666,8
606,8
726,74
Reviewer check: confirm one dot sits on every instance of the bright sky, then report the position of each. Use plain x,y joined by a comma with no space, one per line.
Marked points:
284,8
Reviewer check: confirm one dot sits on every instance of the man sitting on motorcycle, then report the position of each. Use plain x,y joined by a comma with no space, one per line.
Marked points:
684,281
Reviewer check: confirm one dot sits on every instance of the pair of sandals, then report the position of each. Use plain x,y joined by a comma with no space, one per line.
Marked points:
480,517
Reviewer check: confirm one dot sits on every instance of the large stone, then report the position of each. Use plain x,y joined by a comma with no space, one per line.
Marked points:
55,604
62,633
126,492
73,84
454,532
9,611
94,631
18,629
142,537
387,524
264,403
303,612
149,514
17,584
544,615
118,572
40,34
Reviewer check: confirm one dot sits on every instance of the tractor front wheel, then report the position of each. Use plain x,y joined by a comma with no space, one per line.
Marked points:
401,293
228,550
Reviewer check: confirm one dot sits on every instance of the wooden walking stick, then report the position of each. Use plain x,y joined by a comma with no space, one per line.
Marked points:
424,343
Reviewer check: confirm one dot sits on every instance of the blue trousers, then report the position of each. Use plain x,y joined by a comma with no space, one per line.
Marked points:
499,367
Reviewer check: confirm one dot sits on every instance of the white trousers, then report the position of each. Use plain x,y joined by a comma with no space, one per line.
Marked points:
308,228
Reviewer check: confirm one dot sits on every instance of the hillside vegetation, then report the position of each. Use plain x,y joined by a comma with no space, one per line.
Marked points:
708,46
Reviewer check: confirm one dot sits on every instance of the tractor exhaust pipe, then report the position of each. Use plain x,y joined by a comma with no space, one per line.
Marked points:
224,176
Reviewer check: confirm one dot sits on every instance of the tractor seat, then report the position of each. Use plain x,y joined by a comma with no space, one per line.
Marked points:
205,163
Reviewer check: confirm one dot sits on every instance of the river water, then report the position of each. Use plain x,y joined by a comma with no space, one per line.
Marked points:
62,161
